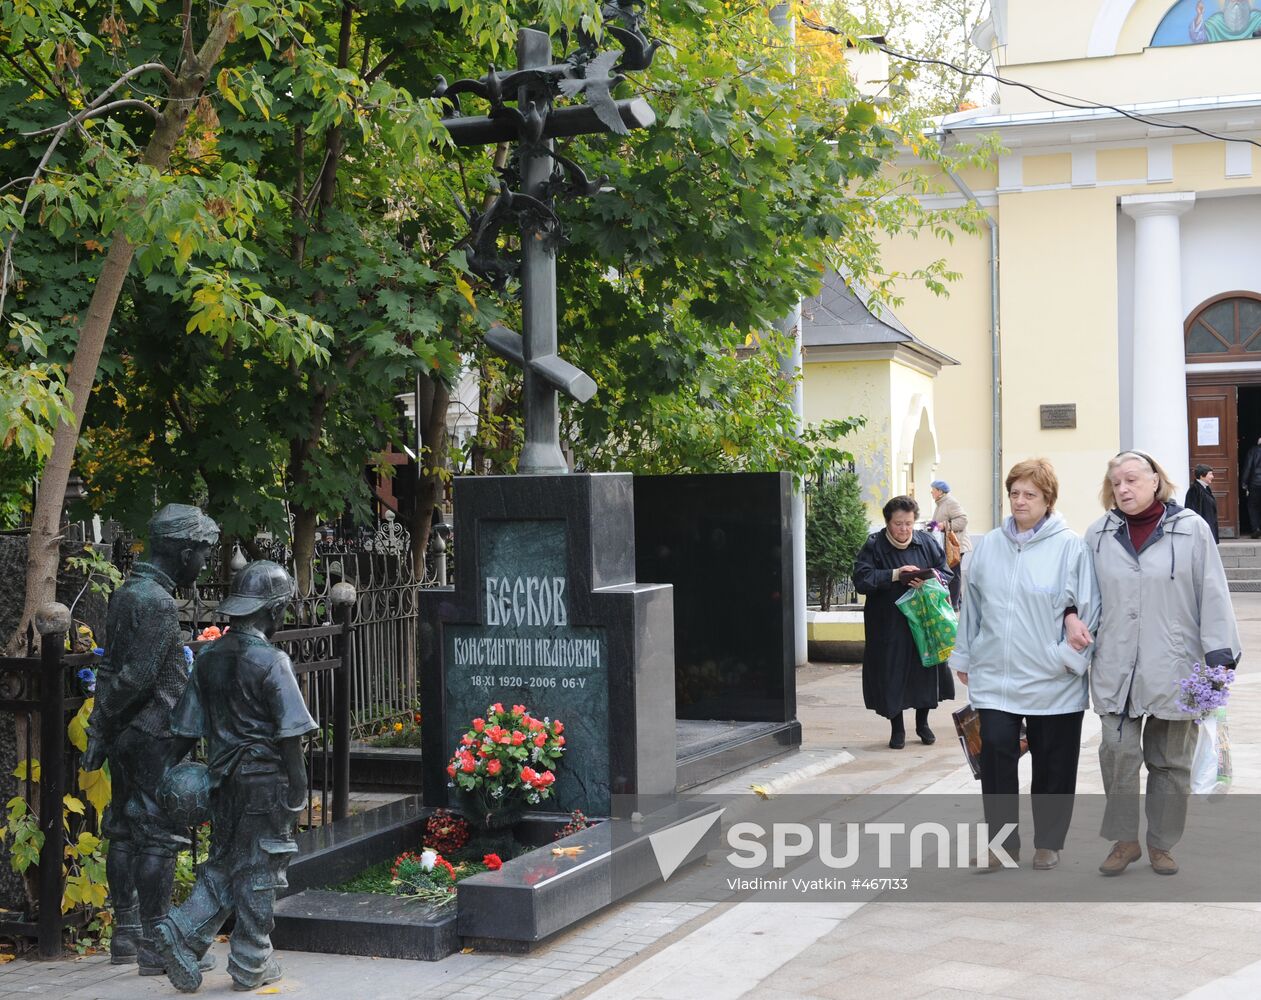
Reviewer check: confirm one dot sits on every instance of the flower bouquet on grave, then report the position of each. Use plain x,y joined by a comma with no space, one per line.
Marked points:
504,764
431,878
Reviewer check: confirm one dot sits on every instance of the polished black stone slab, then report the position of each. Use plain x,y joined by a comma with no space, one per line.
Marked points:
385,769
365,923
334,852
546,612
724,542
541,893
528,900
710,750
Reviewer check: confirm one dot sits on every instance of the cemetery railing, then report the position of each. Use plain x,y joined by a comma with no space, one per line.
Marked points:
41,694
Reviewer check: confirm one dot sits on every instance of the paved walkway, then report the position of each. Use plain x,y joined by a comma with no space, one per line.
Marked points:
644,950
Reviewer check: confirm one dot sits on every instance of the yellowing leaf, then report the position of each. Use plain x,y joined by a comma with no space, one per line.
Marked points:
72,804
760,791
567,852
465,289
19,772
78,728
96,786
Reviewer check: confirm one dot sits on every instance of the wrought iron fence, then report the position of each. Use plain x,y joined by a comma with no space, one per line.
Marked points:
41,694
385,639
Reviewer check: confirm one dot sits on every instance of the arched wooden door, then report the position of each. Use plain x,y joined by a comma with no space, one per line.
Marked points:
1223,341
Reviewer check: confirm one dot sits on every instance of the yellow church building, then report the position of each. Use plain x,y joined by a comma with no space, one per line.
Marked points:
1114,300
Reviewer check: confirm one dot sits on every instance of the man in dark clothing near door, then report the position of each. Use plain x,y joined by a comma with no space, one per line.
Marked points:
1251,480
1200,497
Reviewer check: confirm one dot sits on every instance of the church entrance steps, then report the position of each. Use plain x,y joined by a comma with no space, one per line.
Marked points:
1242,561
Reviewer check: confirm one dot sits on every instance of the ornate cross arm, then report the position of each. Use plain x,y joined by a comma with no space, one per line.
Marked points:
551,368
562,123
533,123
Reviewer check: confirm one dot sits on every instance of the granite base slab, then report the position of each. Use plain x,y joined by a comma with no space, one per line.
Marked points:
337,851
533,897
711,749
365,923
547,890
385,769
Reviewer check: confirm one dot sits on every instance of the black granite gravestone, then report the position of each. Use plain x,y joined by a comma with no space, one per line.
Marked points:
725,543
546,613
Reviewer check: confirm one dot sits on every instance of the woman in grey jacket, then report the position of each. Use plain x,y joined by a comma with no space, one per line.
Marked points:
1023,650
1166,606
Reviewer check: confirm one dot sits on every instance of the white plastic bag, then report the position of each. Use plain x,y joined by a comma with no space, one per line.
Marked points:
1211,766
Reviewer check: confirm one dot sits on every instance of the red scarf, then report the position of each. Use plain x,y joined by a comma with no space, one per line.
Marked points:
1144,523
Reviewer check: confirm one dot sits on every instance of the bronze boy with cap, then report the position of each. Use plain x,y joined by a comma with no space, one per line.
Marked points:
142,676
244,700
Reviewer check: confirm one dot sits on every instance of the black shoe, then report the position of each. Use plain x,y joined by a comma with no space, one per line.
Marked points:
926,735
897,740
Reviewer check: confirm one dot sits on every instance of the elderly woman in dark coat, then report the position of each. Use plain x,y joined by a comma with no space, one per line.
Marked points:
893,677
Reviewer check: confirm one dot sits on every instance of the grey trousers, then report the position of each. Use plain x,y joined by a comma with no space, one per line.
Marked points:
1167,748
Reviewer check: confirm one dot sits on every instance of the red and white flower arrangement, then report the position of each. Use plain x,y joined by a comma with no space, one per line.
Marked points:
508,754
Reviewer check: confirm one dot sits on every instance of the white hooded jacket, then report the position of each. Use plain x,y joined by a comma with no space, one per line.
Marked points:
1012,642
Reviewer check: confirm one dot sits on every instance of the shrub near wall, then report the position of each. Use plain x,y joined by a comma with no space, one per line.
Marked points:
836,528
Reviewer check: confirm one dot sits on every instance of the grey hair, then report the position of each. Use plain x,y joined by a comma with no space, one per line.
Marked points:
1164,490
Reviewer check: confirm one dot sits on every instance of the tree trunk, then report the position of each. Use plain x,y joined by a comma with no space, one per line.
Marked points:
304,524
433,441
43,554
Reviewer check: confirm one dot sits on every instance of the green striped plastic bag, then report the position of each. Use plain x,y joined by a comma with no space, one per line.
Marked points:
934,624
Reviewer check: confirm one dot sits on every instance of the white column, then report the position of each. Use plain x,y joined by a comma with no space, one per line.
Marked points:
1158,373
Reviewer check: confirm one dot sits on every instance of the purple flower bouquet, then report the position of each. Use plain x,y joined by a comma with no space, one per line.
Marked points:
1205,691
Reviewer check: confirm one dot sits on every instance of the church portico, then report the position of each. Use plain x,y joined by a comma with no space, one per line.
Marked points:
1157,372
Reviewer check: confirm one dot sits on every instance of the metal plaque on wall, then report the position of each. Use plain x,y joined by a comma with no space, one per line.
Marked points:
1058,416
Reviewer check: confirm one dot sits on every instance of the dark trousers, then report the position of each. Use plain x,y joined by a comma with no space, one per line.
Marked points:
1054,745
1254,509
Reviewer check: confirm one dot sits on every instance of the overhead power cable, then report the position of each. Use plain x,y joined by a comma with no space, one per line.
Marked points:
1050,96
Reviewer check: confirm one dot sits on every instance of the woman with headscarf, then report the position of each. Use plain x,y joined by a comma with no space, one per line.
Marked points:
892,560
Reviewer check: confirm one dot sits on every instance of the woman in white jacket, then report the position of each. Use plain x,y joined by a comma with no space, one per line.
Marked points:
1023,649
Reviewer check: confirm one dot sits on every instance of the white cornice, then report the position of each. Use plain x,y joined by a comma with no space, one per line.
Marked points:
1222,115
921,358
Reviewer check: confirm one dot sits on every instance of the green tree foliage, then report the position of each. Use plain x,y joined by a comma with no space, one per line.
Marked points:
836,528
297,247
767,168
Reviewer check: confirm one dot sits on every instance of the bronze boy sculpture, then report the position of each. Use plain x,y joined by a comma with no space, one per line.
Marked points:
143,675
245,702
